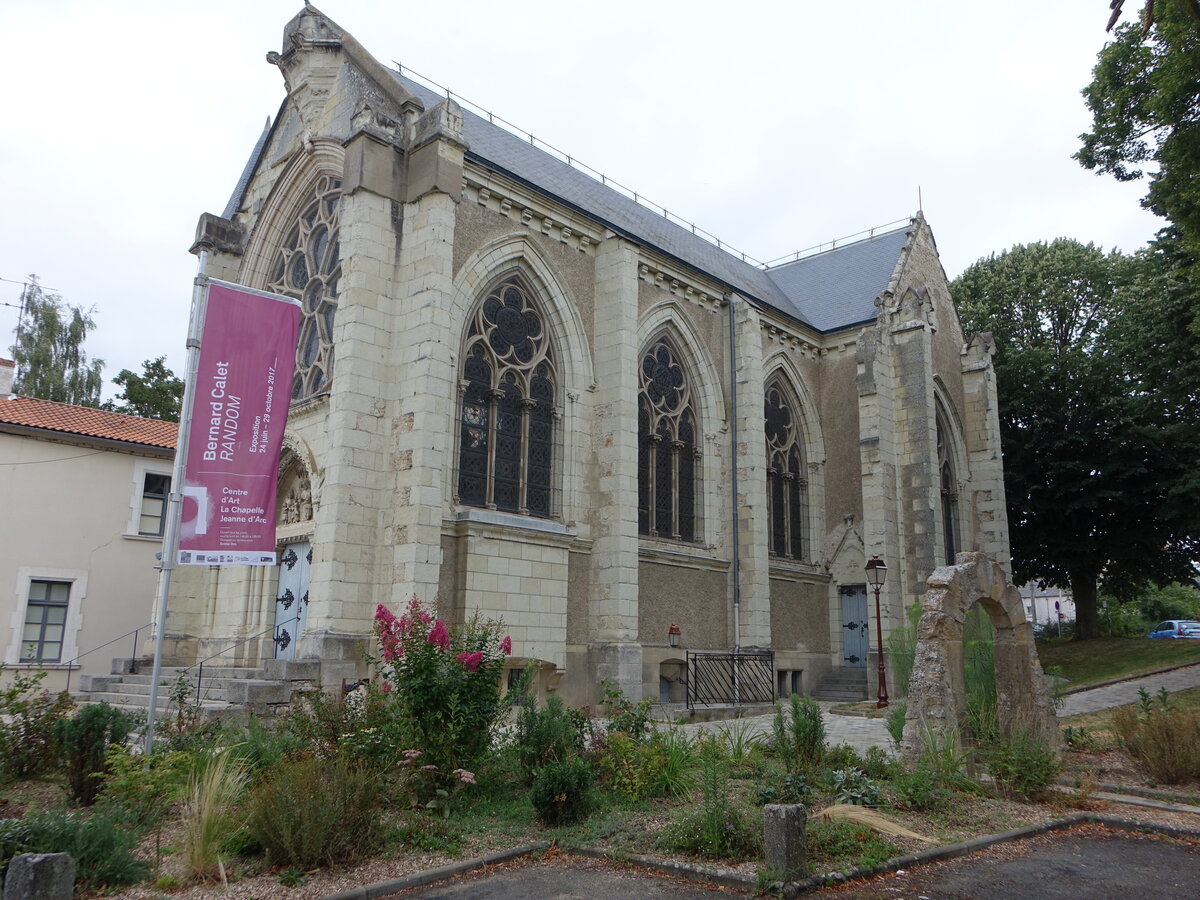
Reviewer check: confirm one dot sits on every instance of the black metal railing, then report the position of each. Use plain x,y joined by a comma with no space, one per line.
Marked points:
71,663
199,666
745,676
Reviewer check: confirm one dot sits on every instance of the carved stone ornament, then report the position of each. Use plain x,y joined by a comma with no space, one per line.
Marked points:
295,505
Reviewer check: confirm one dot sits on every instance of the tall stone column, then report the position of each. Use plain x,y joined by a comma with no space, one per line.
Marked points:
349,562
753,523
424,348
613,648
981,422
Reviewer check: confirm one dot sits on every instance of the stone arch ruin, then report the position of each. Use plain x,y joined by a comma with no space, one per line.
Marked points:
936,695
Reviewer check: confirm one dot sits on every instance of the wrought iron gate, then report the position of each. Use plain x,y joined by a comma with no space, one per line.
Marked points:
747,676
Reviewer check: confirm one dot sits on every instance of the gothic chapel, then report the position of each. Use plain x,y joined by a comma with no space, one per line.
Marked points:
520,392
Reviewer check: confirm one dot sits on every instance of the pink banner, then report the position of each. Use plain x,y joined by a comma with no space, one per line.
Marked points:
238,414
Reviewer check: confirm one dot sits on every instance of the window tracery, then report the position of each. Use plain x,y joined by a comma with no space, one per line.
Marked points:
949,494
307,267
787,486
507,418
667,450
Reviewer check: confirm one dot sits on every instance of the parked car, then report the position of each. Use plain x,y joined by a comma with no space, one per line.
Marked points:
1176,628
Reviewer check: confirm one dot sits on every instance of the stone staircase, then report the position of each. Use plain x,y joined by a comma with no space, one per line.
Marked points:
218,692
842,686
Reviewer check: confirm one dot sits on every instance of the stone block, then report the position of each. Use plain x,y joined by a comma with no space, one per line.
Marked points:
784,841
40,876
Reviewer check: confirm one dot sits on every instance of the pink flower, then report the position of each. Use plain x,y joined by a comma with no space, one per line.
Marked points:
506,646
470,661
389,630
439,636
464,776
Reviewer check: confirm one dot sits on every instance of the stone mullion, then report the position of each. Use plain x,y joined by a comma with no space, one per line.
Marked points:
788,478
493,399
527,405
676,449
652,483
771,476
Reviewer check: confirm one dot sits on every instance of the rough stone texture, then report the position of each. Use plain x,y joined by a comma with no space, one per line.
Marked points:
936,696
783,840
40,876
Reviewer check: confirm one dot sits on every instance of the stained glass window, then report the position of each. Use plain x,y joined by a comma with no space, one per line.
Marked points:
667,449
308,267
506,442
787,486
949,486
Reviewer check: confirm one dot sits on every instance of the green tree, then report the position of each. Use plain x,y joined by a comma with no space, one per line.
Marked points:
51,363
1145,105
155,394
1098,451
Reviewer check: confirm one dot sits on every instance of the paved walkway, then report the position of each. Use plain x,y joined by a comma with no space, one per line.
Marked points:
857,731
1127,691
861,733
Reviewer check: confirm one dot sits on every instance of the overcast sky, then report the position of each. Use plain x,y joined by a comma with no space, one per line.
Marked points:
776,126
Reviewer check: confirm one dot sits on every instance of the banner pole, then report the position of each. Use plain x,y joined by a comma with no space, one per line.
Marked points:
170,550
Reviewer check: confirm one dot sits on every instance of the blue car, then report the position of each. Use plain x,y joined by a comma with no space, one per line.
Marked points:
1176,628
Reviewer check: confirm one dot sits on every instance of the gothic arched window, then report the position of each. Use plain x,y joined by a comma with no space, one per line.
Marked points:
668,454
308,267
787,486
507,411
949,487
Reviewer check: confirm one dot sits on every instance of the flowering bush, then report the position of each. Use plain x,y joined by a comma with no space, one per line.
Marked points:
446,680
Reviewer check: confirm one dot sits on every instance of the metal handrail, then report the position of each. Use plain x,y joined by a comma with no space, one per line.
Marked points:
200,673
71,662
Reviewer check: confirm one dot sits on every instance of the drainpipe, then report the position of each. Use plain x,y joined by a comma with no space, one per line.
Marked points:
733,506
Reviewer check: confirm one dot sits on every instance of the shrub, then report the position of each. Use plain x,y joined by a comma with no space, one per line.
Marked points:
799,735
878,765
853,786
547,735
103,850
629,769
623,714
843,756
446,681
1021,764
781,787
83,741
28,714
920,789
1164,739
143,789
719,829
311,812
215,785
562,791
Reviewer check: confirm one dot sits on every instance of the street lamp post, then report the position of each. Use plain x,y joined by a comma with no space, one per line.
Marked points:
876,573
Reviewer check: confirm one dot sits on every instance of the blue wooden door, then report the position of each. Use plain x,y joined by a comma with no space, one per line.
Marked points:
856,635
291,602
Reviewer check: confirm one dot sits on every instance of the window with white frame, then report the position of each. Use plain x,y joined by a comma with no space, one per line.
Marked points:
152,514
45,623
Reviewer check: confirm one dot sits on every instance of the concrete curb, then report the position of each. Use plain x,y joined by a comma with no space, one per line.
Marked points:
1184,801
429,876
951,851
1103,684
691,871
727,878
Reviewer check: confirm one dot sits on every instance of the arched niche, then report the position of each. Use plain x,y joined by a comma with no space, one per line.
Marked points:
937,704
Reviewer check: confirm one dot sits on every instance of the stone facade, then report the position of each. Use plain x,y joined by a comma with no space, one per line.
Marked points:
438,206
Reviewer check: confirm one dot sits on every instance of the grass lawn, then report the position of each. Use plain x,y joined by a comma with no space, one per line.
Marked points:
1106,658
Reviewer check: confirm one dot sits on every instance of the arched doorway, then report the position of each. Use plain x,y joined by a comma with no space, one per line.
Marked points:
936,692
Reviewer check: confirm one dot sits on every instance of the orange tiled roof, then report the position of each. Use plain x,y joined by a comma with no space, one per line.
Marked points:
83,420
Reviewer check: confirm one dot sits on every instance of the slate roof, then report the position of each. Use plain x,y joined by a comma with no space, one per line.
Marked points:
828,291
64,418
838,287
